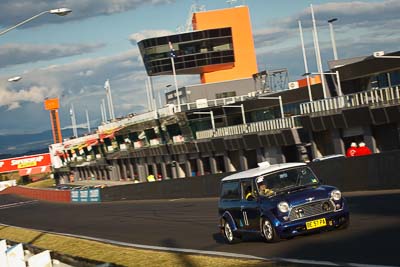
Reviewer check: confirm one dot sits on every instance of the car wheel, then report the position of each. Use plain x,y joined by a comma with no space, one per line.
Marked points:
228,234
268,231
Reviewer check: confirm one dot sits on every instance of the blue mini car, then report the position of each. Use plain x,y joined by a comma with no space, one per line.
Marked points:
278,201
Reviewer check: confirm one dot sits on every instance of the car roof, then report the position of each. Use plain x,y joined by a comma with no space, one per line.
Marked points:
261,170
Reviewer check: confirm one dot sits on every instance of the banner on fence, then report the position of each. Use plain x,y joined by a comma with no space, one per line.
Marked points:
85,195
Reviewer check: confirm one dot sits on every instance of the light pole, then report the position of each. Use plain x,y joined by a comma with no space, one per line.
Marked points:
277,98
211,113
335,55
340,93
59,11
242,110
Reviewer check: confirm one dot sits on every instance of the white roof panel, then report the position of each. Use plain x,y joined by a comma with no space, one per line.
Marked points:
261,171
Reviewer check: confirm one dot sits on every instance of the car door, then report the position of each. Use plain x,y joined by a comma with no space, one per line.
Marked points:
230,201
249,206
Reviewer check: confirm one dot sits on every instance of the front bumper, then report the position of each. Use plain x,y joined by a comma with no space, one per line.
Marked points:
298,227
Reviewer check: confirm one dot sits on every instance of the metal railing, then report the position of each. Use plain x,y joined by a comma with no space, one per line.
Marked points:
371,97
254,127
217,102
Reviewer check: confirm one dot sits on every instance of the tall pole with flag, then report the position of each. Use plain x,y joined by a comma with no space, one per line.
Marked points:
172,56
109,99
103,111
73,120
87,120
318,53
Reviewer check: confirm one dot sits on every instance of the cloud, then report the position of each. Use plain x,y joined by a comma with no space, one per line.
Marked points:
13,54
12,98
362,27
362,14
270,36
15,11
81,83
136,37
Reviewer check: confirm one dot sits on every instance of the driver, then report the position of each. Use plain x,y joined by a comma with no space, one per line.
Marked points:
262,187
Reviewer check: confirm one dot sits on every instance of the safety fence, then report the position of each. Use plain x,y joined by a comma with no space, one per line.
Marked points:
381,96
254,127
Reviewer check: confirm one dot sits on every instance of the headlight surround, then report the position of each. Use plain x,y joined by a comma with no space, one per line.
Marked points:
336,195
283,206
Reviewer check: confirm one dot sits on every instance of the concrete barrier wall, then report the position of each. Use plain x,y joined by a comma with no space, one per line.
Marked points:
193,187
374,172
41,194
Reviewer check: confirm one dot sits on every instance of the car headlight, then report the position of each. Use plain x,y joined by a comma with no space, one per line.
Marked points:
336,195
283,207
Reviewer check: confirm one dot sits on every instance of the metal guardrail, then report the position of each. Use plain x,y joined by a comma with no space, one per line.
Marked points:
371,97
254,127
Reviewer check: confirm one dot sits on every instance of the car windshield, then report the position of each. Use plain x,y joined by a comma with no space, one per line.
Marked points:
285,180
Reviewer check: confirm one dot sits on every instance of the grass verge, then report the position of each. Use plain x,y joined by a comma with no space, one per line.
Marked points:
48,183
117,254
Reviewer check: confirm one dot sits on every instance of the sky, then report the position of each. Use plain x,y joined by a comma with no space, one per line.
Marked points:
72,56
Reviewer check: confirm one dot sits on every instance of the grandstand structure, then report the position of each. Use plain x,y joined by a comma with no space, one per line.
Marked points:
233,120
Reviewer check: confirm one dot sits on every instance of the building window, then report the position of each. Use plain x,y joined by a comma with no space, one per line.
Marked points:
225,94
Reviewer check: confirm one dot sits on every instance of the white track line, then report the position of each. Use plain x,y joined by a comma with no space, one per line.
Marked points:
208,252
12,205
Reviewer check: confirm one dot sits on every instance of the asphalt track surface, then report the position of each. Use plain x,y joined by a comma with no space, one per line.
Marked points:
373,236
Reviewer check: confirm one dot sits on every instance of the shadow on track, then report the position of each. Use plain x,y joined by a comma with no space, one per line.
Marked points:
182,257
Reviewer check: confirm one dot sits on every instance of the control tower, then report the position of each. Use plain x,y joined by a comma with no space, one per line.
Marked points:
220,48
53,105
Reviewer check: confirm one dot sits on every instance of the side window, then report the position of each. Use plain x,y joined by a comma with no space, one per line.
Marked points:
230,190
247,190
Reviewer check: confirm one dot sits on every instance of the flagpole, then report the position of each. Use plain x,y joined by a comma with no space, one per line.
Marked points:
87,119
107,86
172,56
318,53
176,84
73,121
103,110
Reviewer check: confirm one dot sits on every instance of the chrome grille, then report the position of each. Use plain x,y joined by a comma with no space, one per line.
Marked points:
311,209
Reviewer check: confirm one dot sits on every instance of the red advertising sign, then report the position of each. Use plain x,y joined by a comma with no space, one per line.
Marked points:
16,164
34,170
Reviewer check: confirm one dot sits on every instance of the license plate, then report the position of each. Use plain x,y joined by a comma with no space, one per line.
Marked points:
315,223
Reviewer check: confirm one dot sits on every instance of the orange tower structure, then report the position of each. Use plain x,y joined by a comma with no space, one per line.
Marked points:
52,105
238,18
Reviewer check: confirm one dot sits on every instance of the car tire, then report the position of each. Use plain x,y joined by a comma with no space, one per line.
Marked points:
228,233
268,231
344,225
